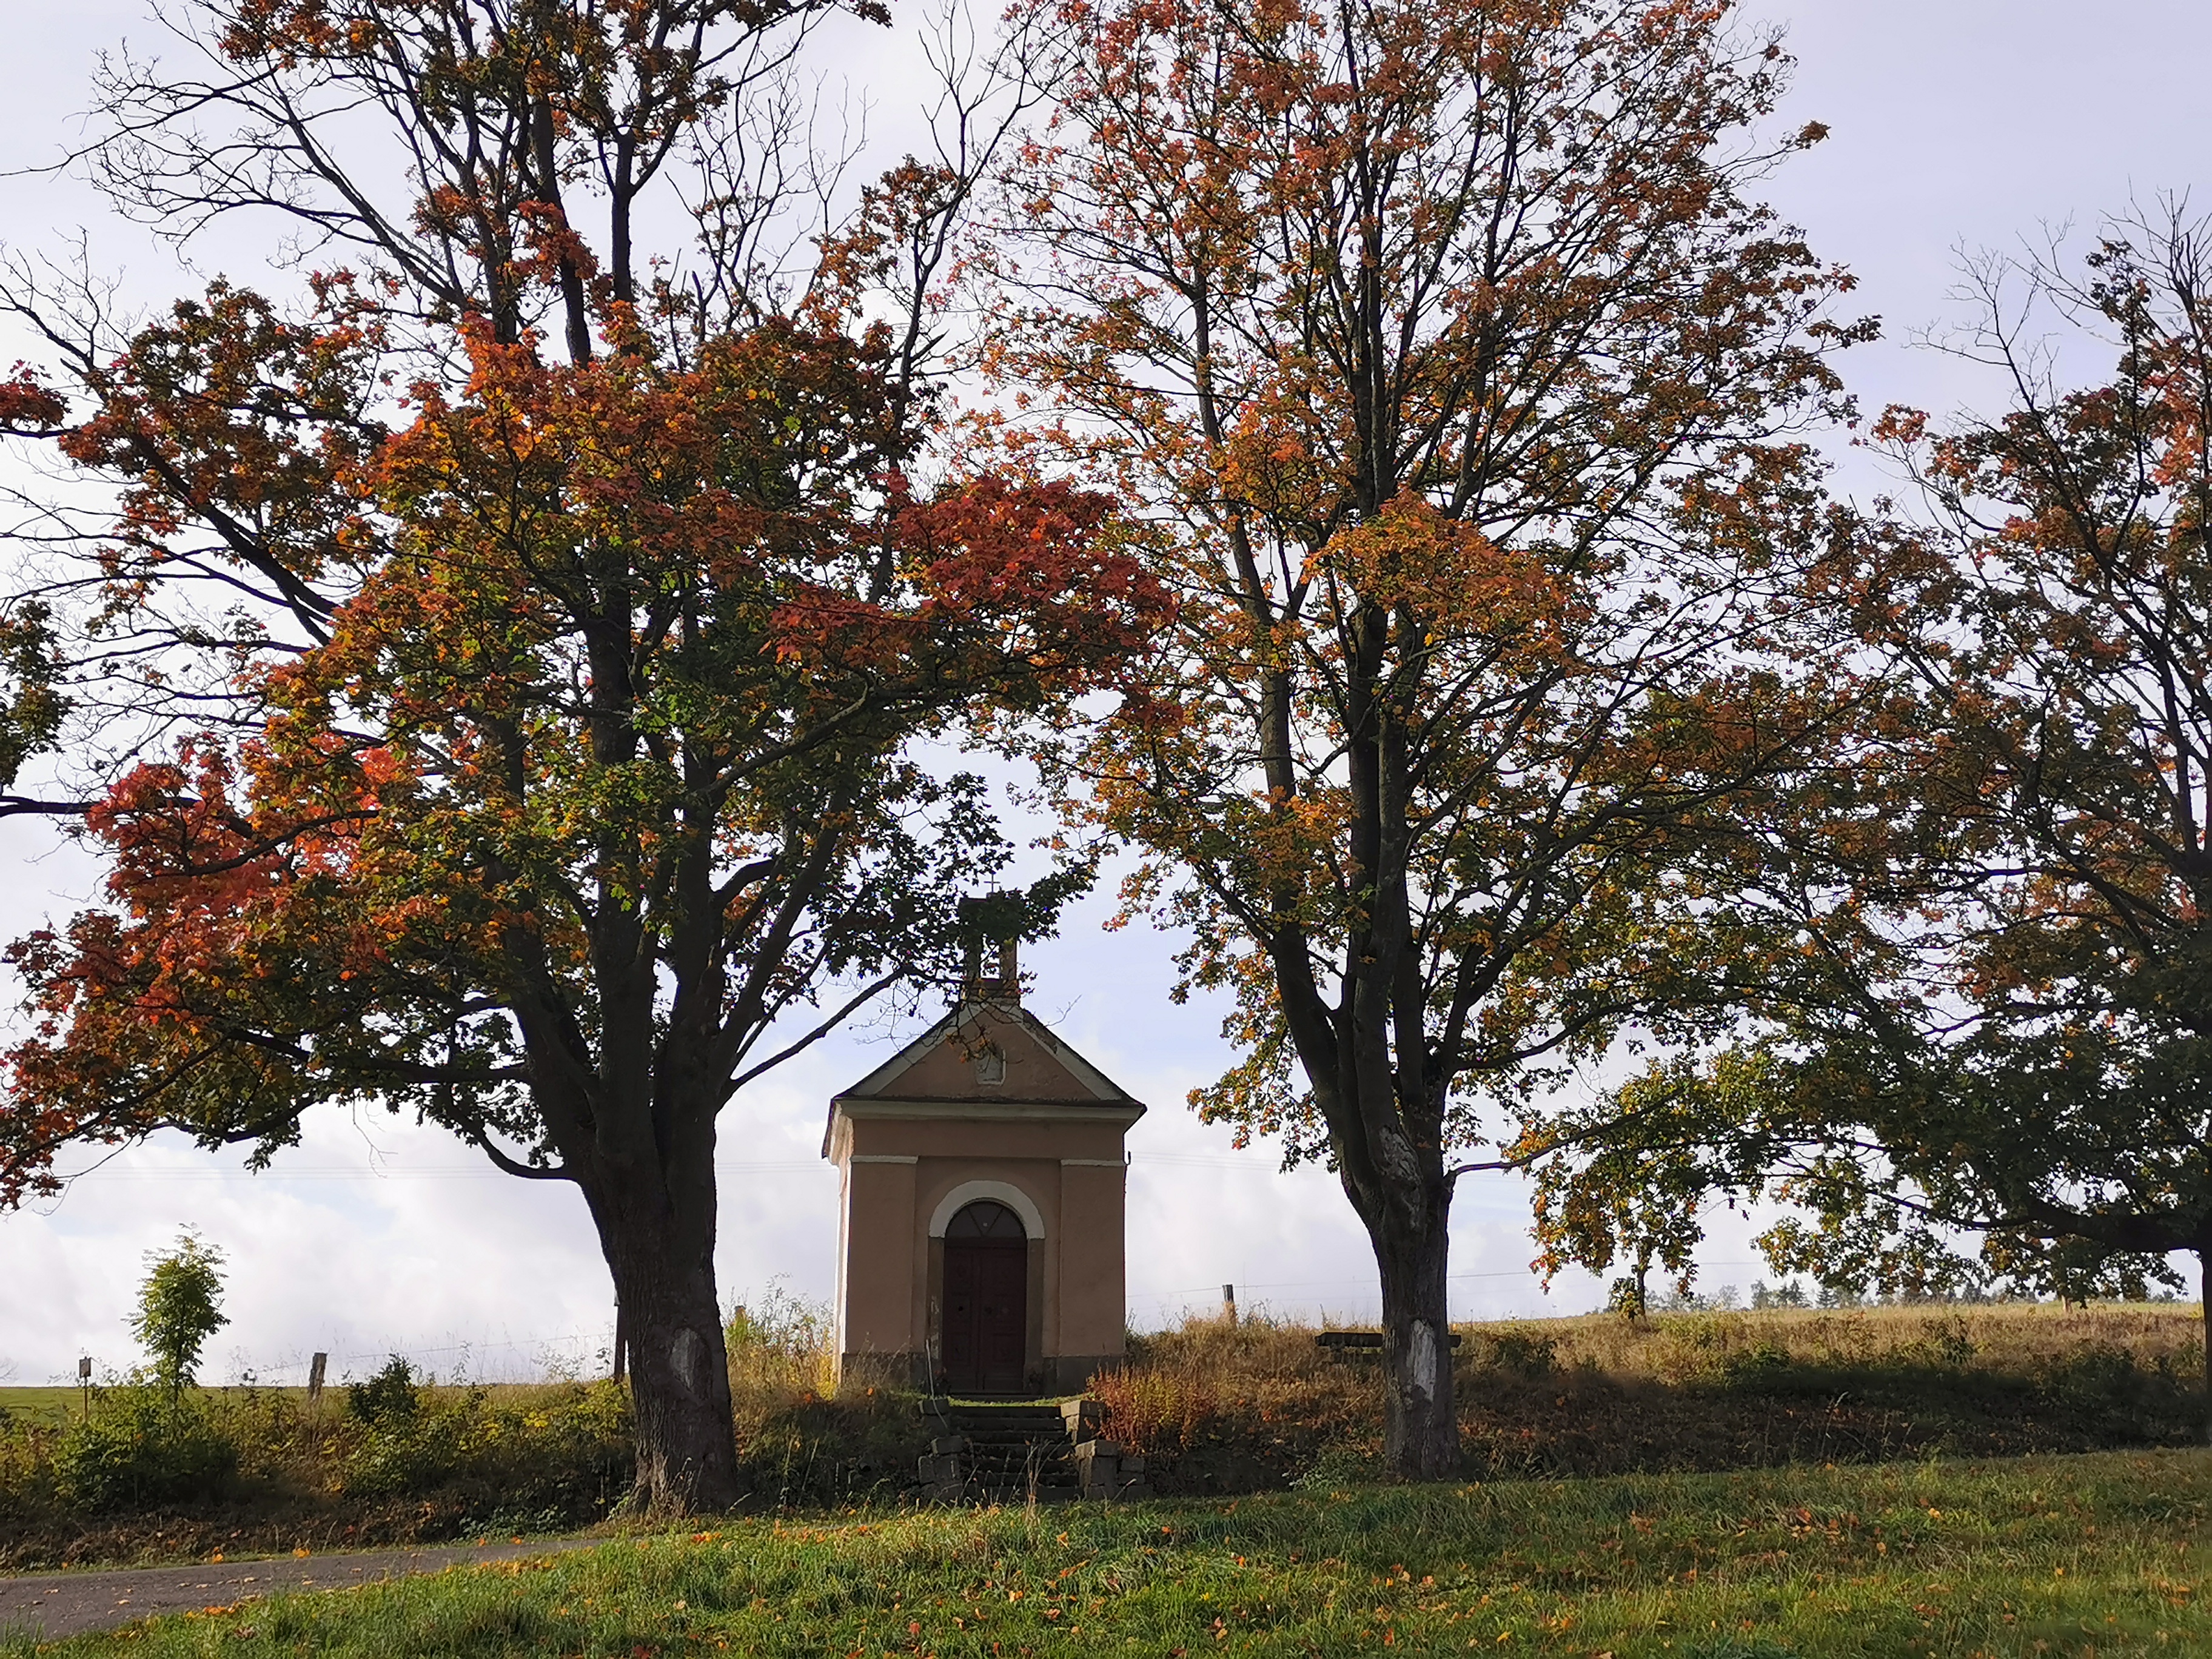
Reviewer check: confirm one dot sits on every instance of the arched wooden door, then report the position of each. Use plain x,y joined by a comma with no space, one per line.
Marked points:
987,1300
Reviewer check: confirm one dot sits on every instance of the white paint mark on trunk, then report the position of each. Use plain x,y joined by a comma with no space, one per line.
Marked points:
1422,1362
687,1355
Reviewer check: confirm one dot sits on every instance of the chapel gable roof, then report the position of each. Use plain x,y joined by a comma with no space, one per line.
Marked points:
990,1056
977,1040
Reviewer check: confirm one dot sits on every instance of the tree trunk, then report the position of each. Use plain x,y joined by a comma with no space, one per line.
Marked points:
1421,1431
679,1372
2204,1326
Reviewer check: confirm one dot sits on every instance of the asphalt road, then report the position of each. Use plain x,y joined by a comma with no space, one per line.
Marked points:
52,1605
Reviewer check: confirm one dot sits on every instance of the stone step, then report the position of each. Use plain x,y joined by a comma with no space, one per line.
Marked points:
1043,1423
1017,1462
1027,1410
996,1423
1009,1453
1016,1456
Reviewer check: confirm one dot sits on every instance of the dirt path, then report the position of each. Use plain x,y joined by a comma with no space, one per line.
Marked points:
52,1605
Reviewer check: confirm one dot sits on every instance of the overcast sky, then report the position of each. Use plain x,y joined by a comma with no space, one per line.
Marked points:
1956,123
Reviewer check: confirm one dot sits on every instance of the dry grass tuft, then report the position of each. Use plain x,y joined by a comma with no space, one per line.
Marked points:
782,1352
806,1435
1685,1347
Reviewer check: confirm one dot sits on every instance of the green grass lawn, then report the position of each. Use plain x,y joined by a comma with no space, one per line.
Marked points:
2102,1554
54,1408
44,1407
65,1402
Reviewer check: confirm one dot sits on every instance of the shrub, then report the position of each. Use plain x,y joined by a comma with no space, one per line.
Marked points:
1523,1353
1757,1365
390,1397
565,1447
404,1454
1344,1463
140,1447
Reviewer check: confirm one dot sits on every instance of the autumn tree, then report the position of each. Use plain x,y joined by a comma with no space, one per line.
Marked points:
1460,370
556,775
2003,1027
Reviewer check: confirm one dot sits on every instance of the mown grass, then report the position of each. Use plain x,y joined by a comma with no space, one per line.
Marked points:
2102,1554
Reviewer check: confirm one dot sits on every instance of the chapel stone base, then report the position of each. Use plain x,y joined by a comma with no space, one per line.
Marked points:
1055,1377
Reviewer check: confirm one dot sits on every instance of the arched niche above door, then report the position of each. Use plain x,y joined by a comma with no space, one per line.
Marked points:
1004,1191
985,1221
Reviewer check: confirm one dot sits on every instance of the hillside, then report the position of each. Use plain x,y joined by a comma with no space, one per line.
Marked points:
1222,1407
1218,1409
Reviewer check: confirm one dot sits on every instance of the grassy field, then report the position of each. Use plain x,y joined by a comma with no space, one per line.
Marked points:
44,1408
2102,1554
57,1407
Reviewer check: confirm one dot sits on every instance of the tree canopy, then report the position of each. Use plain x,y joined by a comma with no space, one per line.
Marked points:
1999,1022
561,737
1465,375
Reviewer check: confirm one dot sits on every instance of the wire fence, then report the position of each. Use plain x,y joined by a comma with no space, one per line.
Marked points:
575,1354
1343,1299
380,1170
555,1357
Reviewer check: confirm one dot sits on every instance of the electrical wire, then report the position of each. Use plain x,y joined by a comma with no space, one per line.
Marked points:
486,1172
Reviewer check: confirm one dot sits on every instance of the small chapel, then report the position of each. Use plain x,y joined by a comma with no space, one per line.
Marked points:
982,1185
